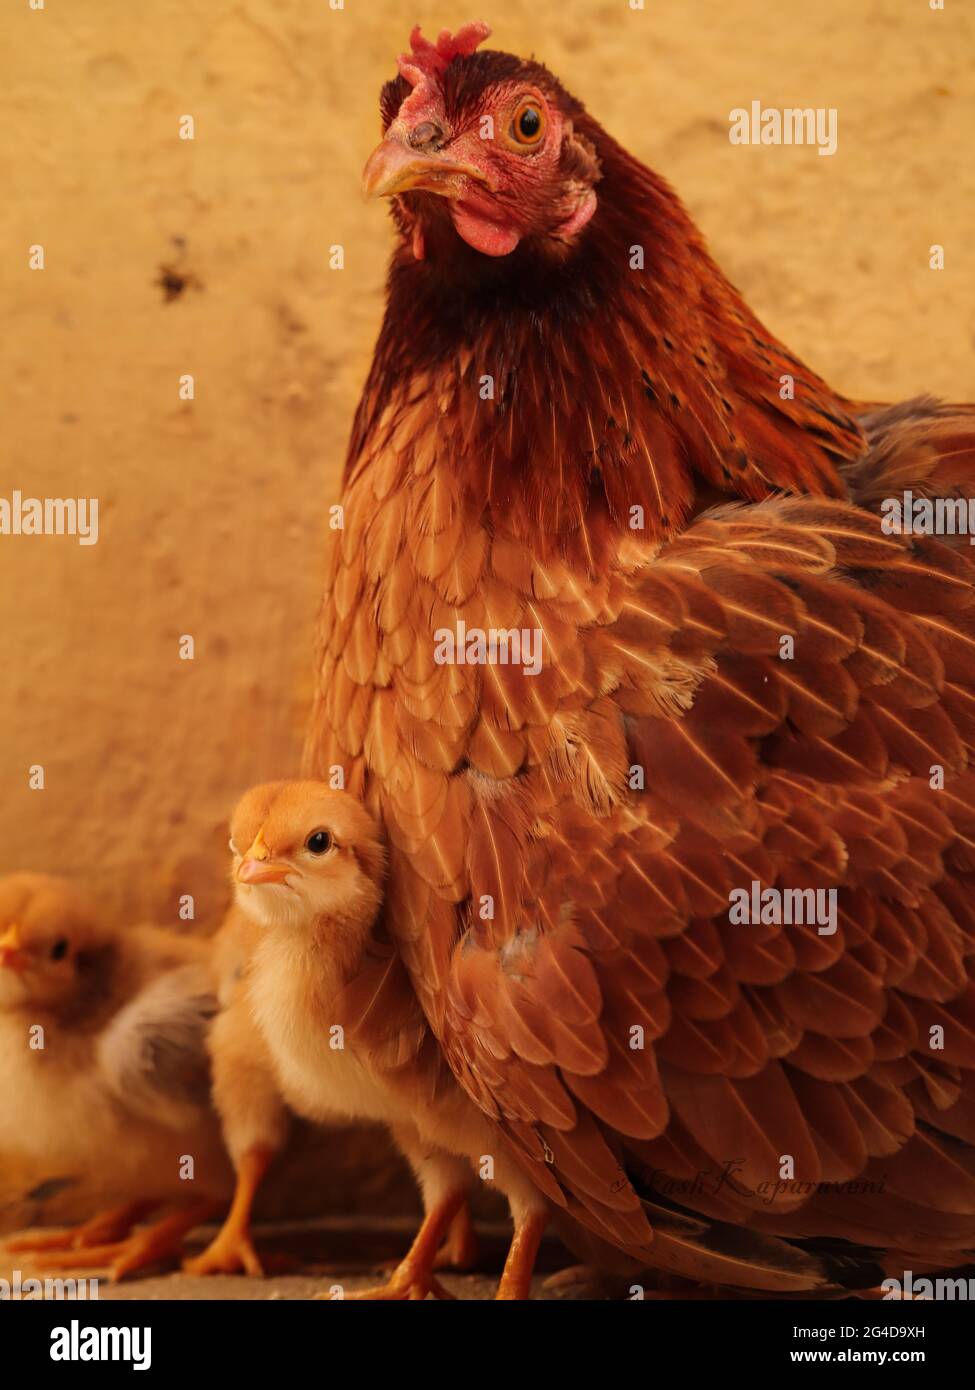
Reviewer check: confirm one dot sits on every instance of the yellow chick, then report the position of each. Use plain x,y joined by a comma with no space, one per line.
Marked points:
320,1019
104,1072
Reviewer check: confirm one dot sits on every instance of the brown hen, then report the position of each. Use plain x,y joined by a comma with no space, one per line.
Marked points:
748,680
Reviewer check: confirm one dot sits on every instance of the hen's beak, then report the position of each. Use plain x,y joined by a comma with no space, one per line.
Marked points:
257,866
394,167
12,956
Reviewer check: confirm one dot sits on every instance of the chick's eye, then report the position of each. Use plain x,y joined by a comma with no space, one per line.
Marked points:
59,950
319,842
528,124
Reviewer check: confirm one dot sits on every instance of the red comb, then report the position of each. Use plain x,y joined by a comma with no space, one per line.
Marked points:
428,61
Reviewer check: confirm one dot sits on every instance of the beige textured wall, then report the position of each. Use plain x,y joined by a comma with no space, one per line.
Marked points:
212,511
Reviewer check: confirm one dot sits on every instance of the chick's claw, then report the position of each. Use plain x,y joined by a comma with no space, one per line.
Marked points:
227,1254
122,1258
158,1244
108,1228
409,1283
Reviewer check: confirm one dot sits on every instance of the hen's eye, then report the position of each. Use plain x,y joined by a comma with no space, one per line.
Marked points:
59,950
319,842
529,123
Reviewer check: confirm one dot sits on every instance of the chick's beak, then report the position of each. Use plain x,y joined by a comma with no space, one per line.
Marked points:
257,866
12,956
394,167
262,871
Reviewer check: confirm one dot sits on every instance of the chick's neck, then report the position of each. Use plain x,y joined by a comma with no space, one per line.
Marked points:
324,951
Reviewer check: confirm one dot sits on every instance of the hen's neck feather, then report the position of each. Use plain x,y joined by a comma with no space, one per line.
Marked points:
614,387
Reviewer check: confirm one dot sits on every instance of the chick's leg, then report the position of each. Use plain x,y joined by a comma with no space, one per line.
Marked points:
516,1278
461,1248
255,1127
530,1215
445,1183
231,1250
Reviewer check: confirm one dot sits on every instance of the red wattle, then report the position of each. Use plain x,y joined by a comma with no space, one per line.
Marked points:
490,237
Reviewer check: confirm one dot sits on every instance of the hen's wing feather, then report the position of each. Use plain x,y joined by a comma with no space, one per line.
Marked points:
772,696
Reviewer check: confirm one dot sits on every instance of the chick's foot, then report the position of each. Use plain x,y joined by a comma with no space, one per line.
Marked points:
230,1252
108,1228
413,1278
159,1244
409,1282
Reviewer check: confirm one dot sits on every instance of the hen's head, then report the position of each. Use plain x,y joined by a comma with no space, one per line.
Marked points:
485,143
303,853
51,942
